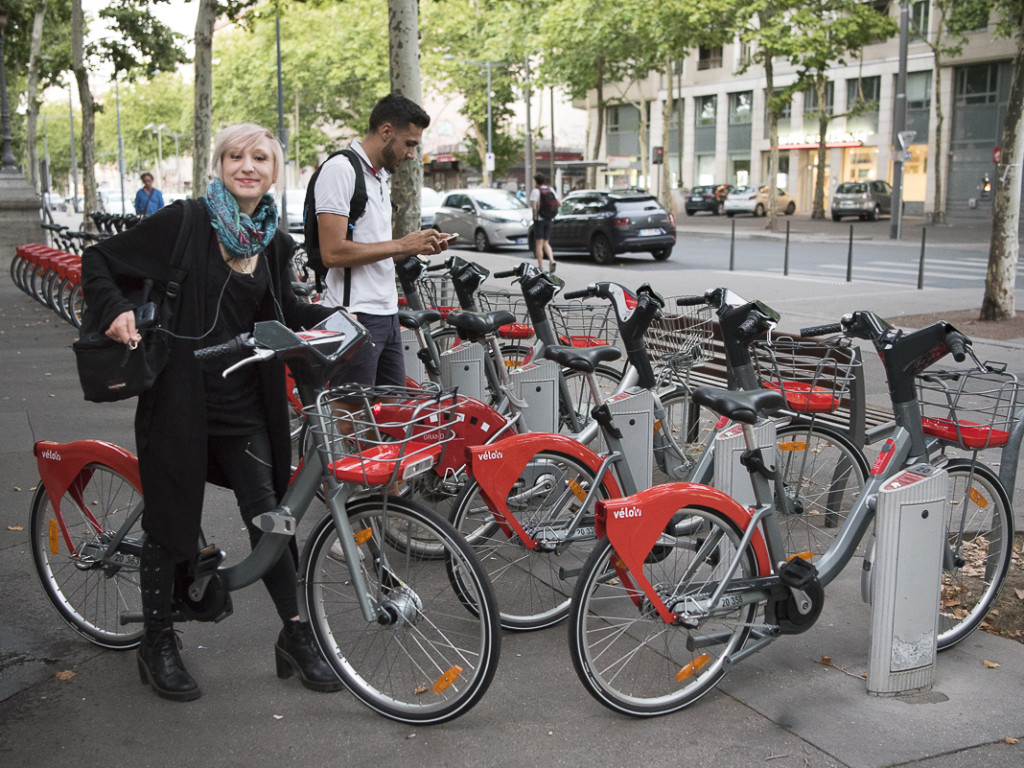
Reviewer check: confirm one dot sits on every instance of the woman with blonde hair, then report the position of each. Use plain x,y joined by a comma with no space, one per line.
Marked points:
195,426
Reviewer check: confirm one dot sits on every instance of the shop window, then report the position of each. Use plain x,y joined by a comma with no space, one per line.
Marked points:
709,57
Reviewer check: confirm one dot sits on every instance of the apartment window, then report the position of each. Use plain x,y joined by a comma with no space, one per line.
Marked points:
707,109
919,90
811,101
746,54
863,92
623,131
709,58
785,117
740,107
977,84
919,19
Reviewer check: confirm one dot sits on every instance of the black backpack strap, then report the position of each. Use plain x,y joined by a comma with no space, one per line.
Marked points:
356,209
180,262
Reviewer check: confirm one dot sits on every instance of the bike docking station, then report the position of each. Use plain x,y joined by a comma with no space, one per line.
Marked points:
462,369
902,581
632,412
535,385
731,476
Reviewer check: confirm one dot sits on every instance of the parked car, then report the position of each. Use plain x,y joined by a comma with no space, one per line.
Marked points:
487,218
606,223
754,200
864,199
295,201
709,197
55,202
111,201
430,201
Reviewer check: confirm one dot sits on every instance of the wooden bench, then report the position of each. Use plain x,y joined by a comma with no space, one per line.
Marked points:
862,422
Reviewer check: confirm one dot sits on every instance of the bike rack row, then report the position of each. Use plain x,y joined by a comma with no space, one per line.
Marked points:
51,277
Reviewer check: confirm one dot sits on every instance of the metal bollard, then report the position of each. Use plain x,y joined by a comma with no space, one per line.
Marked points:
785,259
905,575
849,258
920,266
732,247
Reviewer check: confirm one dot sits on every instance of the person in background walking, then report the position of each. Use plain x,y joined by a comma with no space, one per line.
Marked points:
544,203
148,200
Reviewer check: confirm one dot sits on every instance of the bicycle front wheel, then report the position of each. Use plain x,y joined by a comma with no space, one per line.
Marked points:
533,586
979,539
89,588
626,656
433,648
822,474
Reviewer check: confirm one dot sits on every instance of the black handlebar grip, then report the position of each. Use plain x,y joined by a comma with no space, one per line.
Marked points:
437,267
221,350
581,294
957,345
822,330
691,301
751,327
506,273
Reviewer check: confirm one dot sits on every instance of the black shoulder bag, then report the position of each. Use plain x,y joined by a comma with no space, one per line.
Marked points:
109,370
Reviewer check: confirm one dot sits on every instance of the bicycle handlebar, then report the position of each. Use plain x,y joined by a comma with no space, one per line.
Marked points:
957,344
241,342
692,301
437,267
506,273
580,294
822,330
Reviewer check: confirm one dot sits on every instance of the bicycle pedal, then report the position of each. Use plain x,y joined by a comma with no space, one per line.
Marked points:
798,573
207,561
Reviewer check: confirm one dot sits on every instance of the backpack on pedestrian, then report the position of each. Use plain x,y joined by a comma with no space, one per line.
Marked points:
310,227
547,208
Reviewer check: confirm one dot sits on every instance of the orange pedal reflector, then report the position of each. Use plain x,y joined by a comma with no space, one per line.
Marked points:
802,555
977,498
447,678
793,445
693,667
53,534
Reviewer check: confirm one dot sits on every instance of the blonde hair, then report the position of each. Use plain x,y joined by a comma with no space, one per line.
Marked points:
243,136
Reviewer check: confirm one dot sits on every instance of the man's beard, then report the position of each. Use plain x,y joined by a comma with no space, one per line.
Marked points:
388,159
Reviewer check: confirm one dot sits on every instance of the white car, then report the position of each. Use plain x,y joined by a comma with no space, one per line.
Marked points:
430,201
754,200
485,218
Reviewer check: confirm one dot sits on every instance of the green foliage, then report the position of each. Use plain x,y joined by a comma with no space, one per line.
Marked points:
144,45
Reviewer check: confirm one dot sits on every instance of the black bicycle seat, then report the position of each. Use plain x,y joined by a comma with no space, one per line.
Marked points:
479,323
415,319
583,359
745,407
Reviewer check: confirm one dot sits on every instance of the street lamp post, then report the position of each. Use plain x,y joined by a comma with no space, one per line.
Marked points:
8,163
74,157
489,160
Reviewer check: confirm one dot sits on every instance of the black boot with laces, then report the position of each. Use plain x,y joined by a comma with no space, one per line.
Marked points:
161,668
296,652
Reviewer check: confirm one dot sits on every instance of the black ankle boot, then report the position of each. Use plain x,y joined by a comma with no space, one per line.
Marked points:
296,651
160,667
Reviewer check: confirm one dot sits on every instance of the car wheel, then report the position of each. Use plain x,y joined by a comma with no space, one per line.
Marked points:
718,209
601,250
481,242
660,254
690,212
873,216
836,217
791,208
759,210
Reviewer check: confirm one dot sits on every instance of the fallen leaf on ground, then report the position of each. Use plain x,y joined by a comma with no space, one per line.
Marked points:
1011,740
65,674
15,528
17,488
826,660
989,664
1020,594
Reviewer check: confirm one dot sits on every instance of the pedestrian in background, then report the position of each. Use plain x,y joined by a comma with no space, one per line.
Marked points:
544,203
148,200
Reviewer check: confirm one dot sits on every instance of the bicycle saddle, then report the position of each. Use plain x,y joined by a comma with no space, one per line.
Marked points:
744,407
583,359
415,319
480,323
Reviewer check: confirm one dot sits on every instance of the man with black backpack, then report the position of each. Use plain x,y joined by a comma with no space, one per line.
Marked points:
348,228
545,206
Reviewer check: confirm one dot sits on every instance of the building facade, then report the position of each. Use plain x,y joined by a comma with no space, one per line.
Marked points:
725,129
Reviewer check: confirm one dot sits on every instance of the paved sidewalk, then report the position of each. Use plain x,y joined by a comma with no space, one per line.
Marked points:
781,708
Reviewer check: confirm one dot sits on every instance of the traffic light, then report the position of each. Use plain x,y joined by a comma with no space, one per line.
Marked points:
658,156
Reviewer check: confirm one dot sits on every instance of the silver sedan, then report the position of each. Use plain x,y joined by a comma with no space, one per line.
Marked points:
487,218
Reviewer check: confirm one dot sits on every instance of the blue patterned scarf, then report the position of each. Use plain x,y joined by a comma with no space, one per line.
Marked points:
241,235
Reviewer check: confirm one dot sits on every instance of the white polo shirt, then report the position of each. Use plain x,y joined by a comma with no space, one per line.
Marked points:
373,289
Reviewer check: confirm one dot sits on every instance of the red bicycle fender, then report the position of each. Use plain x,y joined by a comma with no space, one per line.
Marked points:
634,523
496,468
60,463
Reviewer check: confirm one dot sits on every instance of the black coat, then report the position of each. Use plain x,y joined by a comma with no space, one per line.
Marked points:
170,419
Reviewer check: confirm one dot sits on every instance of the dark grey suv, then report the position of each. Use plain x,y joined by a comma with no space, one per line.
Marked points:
606,223
864,199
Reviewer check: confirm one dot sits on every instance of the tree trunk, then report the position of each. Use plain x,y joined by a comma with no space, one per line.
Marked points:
773,145
404,53
32,113
818,210
202,116
88,111
998,303
665,188
599,131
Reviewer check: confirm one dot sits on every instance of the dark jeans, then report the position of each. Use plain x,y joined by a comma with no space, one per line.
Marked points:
245,462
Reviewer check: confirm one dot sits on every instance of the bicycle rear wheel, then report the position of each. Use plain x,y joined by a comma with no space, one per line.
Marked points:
433,650
91,591
533,586
822,474
626,656
979,532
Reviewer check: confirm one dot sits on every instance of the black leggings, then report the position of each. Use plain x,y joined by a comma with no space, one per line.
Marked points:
245,462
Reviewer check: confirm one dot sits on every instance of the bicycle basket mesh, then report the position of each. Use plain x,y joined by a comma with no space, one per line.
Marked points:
493,301
814,376
974,408
680,338
585,324
438,293
372,436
